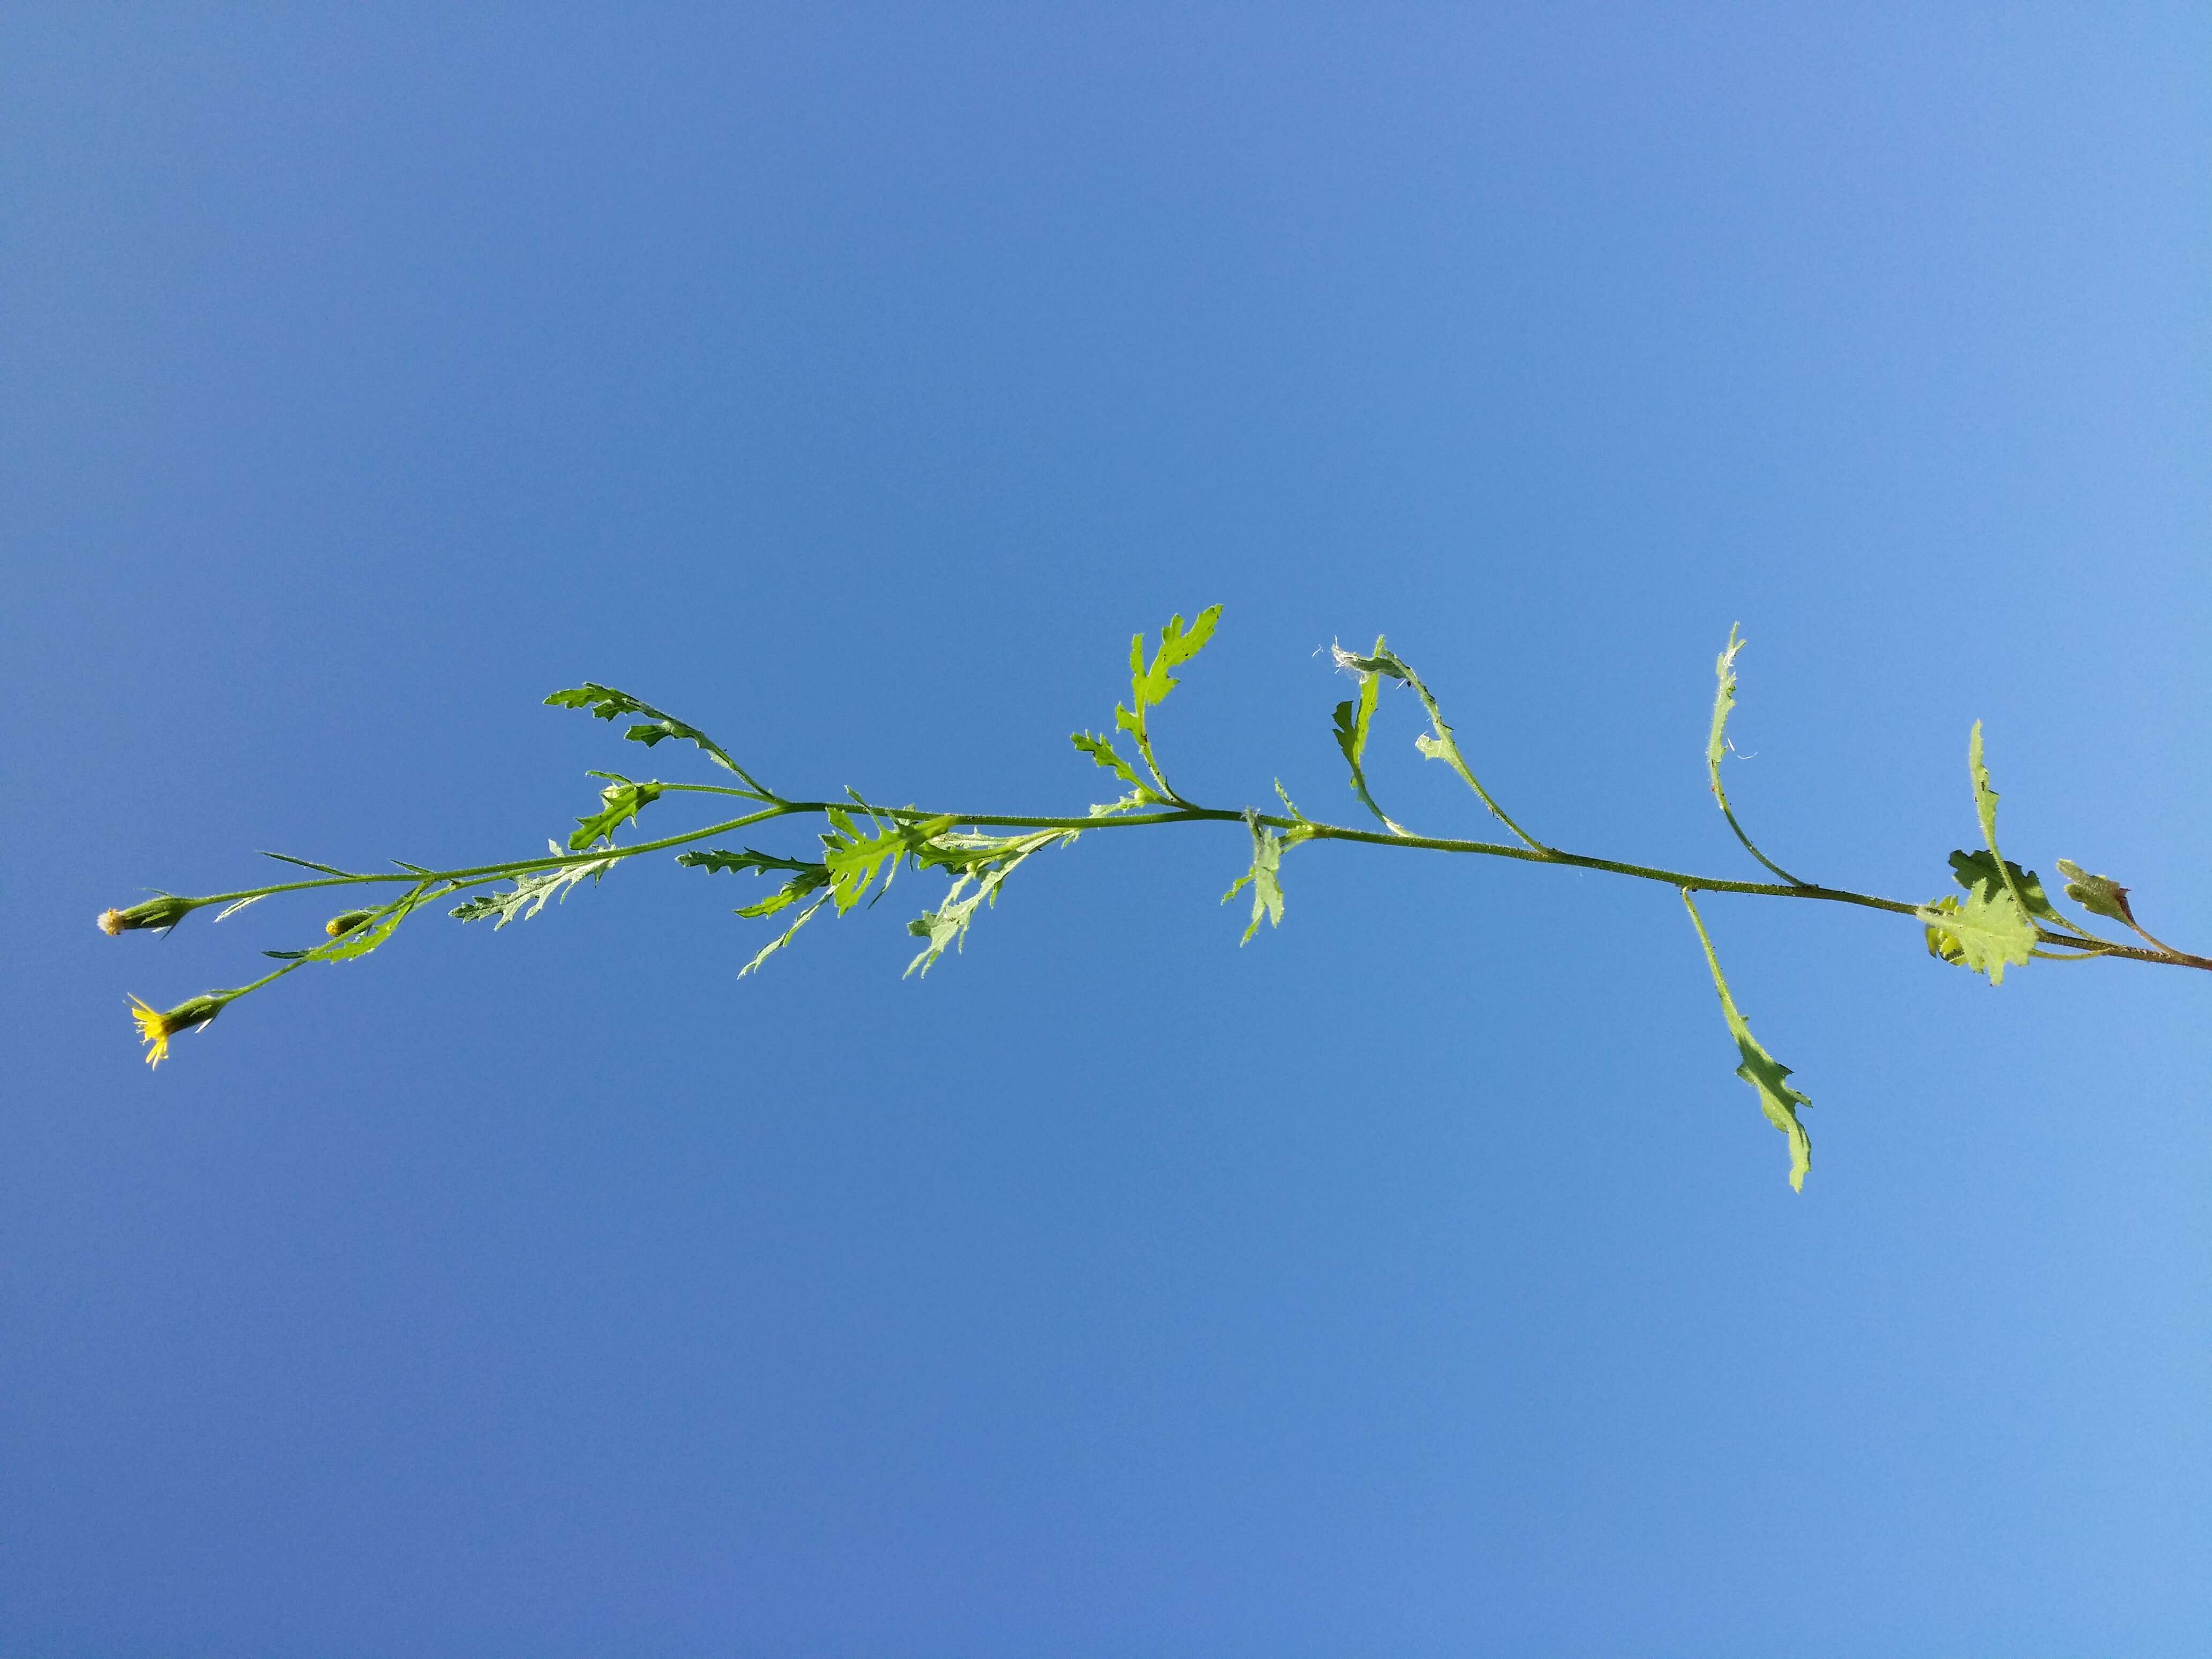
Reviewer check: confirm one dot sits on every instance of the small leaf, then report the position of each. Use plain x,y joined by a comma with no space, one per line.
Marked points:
811,878
1102,753
308,864
1986,931
530,891
380,925
1767,1076
606,703
1178,646
1439,744
1718,748
782,939
2099,894
806,878
1986,810
1352,718
718,860
1972,870
230,910
1265,876
1136,798
620,801
985,860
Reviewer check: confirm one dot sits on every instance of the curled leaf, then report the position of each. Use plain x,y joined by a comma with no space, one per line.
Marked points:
1353,717
2101,896
1718,748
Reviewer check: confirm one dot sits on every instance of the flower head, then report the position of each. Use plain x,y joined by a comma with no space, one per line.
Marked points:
156,1027
164,911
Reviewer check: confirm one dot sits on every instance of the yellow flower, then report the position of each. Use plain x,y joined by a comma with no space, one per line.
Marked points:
153,1028
156,1027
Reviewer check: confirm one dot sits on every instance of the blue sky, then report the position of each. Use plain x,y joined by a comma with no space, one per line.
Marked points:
853,383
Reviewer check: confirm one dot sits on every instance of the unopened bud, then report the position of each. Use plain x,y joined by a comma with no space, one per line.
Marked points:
339,926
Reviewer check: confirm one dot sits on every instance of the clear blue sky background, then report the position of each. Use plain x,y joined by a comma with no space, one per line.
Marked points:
853,382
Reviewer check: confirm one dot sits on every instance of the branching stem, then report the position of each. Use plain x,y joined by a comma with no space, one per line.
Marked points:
482,874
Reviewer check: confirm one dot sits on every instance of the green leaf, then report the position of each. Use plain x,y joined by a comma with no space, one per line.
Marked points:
1178,644
1352,718
1265,875
1717,749
1150,683
781,939
1104,753
1972,870
308,864
806,878
1986,810
530,892
717,860
984,861
620,803
811,878
1438,744
1986,931
606,703
854,859
380,926
1768,1077
2099,894
1136,798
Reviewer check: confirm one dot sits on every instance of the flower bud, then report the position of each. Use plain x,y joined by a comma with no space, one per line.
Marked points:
166,910
339,926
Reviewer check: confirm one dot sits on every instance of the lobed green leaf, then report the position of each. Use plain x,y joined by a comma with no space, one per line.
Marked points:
620,803
1986,931
781,939
531,892
1352,718
2099,894
1972,870
1264,877
1768,1077
605,702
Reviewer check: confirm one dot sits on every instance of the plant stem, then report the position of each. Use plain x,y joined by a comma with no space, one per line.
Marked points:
476,875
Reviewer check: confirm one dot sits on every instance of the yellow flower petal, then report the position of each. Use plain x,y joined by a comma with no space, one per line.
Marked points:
153,1028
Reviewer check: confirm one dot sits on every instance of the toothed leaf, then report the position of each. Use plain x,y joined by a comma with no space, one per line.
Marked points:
1986,930
620,803
530,892
1768,1077
606,703
1972,870
2099,894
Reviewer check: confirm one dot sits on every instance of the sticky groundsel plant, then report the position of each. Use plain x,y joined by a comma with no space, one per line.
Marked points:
2001,917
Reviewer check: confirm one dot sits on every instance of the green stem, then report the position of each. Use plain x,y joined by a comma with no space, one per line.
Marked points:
478,874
